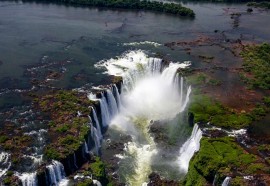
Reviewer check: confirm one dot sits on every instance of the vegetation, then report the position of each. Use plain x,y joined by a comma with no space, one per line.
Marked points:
3,138
263,4
87,182
221,157
201,79
95,170
170,8
69,126
257,66
207,110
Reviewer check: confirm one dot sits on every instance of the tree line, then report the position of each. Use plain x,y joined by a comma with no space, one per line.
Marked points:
170,8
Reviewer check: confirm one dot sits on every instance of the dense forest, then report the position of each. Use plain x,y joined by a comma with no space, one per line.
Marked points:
170,8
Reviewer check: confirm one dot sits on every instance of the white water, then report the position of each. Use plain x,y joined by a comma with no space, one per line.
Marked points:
94,135
28,179
4,163
117,95
105,114
97,124
148,93
142,43
97,183
113,109
189,148
86,148
226,181
56,172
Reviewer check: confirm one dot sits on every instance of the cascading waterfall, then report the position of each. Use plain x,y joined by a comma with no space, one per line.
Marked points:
105,114
56,172
97,183
112,105
189,148
226,181
4,163
99,133
28,179
86,148
117,95
214,181
75,160
95,136
109,105
148,93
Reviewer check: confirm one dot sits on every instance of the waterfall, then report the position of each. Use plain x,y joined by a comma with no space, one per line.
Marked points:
56,172
189,148
86,148
226,181
94,135
214,181
105,114
149,92
97,124
4,163
117,95
112,105
97,183
28,179
75,160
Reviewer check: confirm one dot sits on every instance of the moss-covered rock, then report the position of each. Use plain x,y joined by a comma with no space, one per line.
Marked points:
69,126
221,157
206,110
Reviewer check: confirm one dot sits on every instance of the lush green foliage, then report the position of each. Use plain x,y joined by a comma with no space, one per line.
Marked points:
98,169
171,8
68,128
3,139
257,66
87,182
95,169
219,156
206,110
202,79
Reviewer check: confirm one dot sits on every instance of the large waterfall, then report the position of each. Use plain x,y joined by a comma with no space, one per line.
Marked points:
149,92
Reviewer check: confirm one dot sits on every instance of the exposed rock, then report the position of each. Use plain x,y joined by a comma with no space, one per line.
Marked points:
156,180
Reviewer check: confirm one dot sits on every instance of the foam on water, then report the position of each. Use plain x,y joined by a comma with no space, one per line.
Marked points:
149,93
28,179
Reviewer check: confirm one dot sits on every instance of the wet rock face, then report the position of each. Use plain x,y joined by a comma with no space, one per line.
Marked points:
156,180
191,119
157,130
